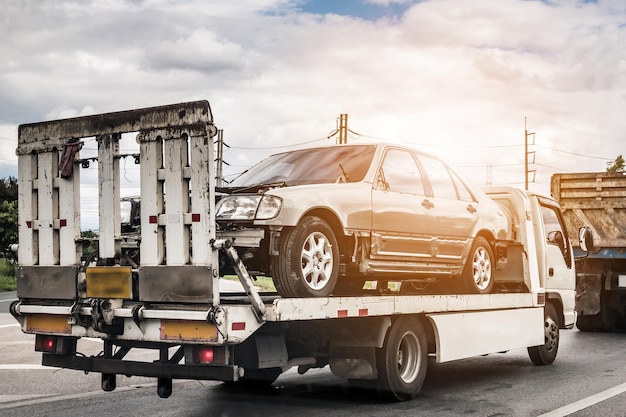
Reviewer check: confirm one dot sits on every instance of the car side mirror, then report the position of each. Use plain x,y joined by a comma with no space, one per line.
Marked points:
585,237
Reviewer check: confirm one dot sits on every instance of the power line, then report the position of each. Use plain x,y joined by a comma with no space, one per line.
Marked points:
280,147
573,153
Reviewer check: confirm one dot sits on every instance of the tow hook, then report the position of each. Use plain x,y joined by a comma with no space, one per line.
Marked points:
216,316
138,317
14,308
103,318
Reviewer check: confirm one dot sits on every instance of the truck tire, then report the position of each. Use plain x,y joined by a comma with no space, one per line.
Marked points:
402,361
308,260
477,275
546,353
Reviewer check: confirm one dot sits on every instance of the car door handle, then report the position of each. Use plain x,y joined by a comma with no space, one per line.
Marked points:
428,204
471,209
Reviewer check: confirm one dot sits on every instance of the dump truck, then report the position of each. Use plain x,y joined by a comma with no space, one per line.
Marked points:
597,200
158,288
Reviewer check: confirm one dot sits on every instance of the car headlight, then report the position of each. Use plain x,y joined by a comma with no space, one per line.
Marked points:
269,207
248,207
240,207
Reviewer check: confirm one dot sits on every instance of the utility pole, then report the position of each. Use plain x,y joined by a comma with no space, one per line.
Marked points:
220,158
526,154
342,130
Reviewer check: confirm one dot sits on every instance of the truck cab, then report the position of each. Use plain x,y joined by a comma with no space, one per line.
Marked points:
554,254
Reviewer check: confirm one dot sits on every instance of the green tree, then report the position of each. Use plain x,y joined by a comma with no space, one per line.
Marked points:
8,226
8,189
618,165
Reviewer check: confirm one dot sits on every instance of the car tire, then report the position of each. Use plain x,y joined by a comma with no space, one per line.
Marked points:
308,261
478,273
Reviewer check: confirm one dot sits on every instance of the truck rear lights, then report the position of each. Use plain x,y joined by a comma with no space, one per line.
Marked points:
109,282
205,355
55,344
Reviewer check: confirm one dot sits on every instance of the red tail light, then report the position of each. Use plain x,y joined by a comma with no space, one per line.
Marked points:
205,354
46,344
55,344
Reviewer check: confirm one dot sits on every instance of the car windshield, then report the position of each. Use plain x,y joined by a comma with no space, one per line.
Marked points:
310,166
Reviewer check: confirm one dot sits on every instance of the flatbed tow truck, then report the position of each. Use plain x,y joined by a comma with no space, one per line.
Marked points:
171,303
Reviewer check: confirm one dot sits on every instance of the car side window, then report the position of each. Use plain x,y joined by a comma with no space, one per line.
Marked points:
555,234
464,193
439,178
400,173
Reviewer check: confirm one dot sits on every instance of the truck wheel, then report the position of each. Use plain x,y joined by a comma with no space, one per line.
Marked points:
477,276
402,361
546,353
308,260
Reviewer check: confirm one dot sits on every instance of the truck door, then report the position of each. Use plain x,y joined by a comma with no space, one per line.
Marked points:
403,216
559,263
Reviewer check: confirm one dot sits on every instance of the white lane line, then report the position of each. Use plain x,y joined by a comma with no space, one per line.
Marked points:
21,366
10,325
42,399
586,402
8,301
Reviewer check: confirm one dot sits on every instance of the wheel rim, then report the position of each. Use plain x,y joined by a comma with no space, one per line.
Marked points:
481,267
317,261
408,358
551,334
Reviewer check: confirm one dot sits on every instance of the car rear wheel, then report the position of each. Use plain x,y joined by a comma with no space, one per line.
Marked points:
477,276
308,260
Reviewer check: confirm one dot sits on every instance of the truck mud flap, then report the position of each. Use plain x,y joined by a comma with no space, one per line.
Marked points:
588,289
155,370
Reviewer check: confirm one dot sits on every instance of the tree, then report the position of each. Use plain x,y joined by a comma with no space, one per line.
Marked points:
618,165
8,189
8,226
8,215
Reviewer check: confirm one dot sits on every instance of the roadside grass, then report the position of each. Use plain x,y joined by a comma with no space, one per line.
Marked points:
264,284
8,281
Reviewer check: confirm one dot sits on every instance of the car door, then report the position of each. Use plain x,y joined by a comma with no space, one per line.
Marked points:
457,211
403,216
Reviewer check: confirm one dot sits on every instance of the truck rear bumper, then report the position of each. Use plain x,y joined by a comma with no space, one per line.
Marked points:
155,370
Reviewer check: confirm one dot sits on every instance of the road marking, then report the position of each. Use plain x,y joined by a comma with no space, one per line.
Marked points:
22,366
8,301
586,402
10,325
48,398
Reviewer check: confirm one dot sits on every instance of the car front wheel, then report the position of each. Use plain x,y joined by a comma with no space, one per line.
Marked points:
308,260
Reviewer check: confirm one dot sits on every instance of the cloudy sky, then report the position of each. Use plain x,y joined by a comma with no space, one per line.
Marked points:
457,78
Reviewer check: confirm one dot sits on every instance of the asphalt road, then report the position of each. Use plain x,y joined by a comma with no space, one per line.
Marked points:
587,379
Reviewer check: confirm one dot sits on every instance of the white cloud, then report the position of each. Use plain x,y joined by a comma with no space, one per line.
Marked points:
454,77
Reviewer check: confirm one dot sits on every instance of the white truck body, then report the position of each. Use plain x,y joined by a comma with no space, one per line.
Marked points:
172,298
